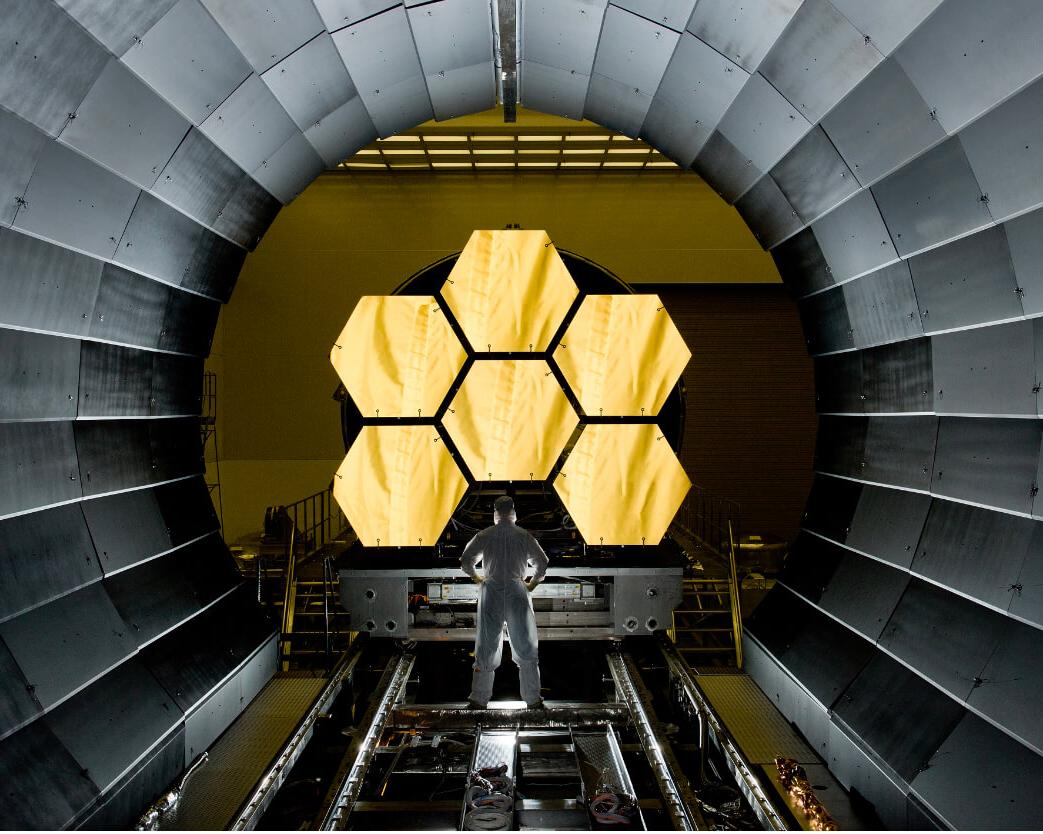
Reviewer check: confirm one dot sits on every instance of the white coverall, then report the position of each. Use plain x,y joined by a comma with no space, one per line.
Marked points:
506,552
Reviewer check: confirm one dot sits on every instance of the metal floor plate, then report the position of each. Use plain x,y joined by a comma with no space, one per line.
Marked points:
238,759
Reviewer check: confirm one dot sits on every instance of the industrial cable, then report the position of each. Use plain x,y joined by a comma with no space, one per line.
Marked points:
612,806
486,821
489,799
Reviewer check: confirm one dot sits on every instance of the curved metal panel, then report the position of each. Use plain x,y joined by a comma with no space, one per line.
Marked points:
1025,242
901,451
337,14
882,124
945,57
840,446
113,455
114,381
129,308
53,787
125,126
45,554
725,167
886,22
990,370
187,509
341,133
827,326
18,705
117,24
945,638
633,50
977,552
762,124
176,448
64,645
76,203
22,145
696,90
854,239
37,465
560,33
188,326
616,105
887,524
744,33
38,376
810,565
311,83
251,208
552,90
899,377
801,264
109,725
881,307
286,173
672,13
1026,600
933,199
266,33
862,593
382,60
991,462
49,63
177,386
818,58
977,747
127,528
897,714
199,179
46,287
189,60
250,125
840,384
813,177
831,506
767,212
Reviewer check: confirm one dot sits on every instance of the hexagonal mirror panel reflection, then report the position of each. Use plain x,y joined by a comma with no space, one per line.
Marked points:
622,484
510,419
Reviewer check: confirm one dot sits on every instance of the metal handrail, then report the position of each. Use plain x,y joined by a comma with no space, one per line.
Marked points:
733,588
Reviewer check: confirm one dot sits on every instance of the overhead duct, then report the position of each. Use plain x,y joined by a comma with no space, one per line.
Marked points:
888,153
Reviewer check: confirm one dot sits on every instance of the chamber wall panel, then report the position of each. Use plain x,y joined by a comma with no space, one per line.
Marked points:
189,60
199,179
23,143
933,199
810,565
1025,242
667,12
882,124
127,528
616,105
762,124
65,644
862,593
886,22
114,381
633,50
125,126
562,34
827,325
552,90
37,465
901,451
818,58
117,24
38,376
727,169
839,384
887,524
286,173
312,82
189,323
266,33
1011,683
176,448
831,507
991,462
113,455
45,554
345,130
129,308
882,306
840,447
813,176
801,264
899,377
18,704
76,203
187,509
744,33
1026,596
337,14
767,212
251,208
854,239
177,384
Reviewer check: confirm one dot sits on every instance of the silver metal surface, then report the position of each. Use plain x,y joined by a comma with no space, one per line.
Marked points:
901,451
42,374
38,465
341,133
382,60
882,307
116,23
633,50
862,593
767,212
562,34
988,370
1010,685
337,14
642,604
854,239
311,83
289,170
900,376
24,144
672,13
744,33
266,33
558,714
813,177
189,60
199,179
887,524
725,168
616,105
886,22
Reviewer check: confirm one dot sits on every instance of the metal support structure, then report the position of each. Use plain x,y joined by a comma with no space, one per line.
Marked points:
253,809
736,597
208,432
506,31
680,803
748,783
346,789
561,715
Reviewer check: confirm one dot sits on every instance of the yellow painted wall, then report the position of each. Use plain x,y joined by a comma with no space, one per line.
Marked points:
360,233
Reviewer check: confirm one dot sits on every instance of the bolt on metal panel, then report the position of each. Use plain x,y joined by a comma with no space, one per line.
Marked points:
177,383
854,239
1006,155
250,210
187,509
744,33
831,504
37,465
176,448
881,306
311,83
287,172
249,125
826,323
114,381
818,59
813,176
725,168
672,13
887,524
974,551
762,124
899,377
49,63
50,552
72,201
17,705
897,714
64,645
199,179
989,462
810,565
882,124
125,126
266,33
862,593
382,60
113,455
900,451
117,24
23,144
696,90
840,446
341,133
969,281
189,60
615,105
39,376
188,325
119,544
337,14
932,200
1025,241
886,22
633,51
839,384
801,264
768,213
129,308
561,33
976,746
127,698
552,90
945,57
989,370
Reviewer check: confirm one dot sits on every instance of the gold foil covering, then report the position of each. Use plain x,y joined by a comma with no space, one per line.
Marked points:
398,486
397,356
509,290
510,420
622,484
622,355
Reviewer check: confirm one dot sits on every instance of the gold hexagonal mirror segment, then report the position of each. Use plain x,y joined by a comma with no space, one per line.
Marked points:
509,290
510,419
398,486
622,484
622,355
397,356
